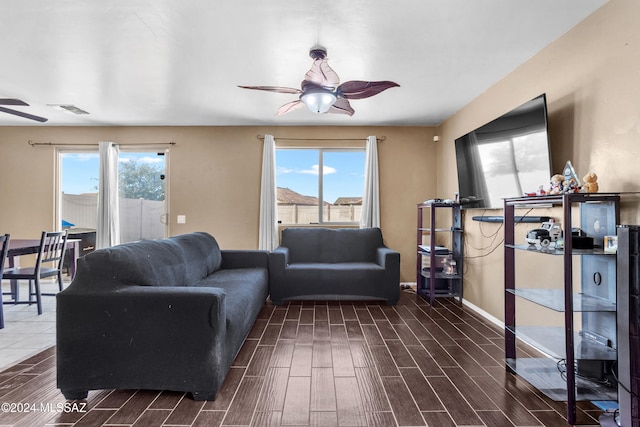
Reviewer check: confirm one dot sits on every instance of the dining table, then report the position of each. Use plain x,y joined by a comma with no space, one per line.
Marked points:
20,247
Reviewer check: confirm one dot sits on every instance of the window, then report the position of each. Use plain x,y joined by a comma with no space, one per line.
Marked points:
78,197
305,177
141,187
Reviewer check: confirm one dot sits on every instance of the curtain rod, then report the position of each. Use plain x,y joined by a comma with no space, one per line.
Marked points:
36,144
380,139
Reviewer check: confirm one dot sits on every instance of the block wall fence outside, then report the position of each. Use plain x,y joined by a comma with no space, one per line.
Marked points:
141,219
301,214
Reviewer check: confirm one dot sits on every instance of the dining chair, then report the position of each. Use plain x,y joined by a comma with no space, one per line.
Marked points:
4,248
53,245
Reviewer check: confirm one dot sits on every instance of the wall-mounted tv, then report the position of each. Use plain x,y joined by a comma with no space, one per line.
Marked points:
507,157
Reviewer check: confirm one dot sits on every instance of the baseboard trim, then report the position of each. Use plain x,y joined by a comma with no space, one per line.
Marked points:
471,306
499,323
484,314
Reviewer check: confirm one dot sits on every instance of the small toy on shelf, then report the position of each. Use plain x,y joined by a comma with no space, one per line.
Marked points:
556,184
570,186
548,232
571,183
590,183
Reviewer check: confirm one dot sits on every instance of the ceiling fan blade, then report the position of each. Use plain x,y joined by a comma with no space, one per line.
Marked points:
342,106
289,107
277,89
12,101
25,115
358,89
322,74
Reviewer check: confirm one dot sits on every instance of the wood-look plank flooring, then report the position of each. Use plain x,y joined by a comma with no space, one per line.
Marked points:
323,364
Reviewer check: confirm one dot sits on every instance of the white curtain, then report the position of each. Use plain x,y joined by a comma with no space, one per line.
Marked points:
108,223
268,239
371,197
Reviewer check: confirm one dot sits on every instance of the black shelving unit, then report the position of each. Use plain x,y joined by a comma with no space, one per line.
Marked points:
439,240
628,367
576,354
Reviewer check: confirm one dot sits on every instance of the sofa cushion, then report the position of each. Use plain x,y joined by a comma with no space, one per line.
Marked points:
326,245
246,290
336,266
345,273
202,255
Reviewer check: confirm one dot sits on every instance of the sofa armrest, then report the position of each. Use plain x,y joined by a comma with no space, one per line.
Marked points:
278,261
105,339
141,319
388,258
244,259
279,257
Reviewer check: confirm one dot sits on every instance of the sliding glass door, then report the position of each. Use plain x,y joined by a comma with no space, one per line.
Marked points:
141,187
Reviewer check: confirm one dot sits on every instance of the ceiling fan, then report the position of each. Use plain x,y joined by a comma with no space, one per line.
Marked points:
12,101
321,90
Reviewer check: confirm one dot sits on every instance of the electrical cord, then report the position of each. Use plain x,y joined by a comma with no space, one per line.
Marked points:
488,236
562,368
488,253
494,236
615,377
407,288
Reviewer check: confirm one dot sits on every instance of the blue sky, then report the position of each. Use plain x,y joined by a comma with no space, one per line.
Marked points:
296,169
80,170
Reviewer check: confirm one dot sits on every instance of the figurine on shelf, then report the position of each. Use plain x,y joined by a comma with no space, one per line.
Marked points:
590,183
570,186
449,265
571,183
556,184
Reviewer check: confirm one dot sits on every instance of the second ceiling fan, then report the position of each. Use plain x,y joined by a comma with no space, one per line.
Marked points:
321,90
13,101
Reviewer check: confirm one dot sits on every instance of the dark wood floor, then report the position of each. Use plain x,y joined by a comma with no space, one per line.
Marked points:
323,364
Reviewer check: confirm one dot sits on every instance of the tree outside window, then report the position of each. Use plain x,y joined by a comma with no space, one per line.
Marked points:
141,189
138,180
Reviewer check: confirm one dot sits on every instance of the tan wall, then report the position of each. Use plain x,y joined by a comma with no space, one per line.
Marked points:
591,76
214,177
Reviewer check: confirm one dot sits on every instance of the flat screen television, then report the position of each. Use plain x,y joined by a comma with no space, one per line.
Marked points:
507,157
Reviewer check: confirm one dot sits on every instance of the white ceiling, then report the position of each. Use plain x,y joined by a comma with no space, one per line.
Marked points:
173,62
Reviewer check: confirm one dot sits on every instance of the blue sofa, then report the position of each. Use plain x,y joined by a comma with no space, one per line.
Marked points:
166,314
333,264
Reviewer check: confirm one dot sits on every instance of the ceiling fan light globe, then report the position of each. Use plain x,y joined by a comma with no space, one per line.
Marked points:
319,102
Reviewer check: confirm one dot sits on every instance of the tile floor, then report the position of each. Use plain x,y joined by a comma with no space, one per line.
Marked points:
326,364
25,332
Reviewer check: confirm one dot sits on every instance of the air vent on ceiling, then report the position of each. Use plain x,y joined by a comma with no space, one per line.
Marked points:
68,108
